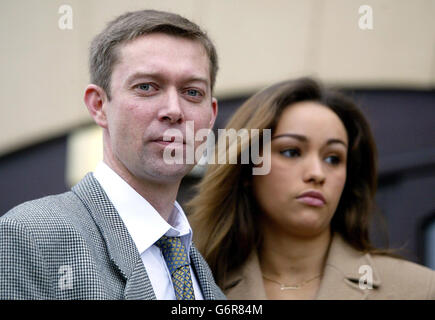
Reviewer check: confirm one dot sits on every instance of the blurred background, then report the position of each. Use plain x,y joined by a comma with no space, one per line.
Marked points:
381,52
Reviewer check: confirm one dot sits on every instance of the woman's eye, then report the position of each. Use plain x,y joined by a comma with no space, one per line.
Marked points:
334,160
291,153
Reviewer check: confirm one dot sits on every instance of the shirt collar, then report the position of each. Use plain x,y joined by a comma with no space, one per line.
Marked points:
141,219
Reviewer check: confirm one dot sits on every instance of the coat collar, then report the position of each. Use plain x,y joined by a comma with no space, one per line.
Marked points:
120,246
340,279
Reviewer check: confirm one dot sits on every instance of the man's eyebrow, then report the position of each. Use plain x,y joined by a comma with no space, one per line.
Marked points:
303,138
157,75
138,75
198,79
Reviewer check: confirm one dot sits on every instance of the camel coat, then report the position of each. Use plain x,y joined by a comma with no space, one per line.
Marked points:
392,278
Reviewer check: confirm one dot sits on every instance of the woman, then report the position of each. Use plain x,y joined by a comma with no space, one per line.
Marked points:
301,231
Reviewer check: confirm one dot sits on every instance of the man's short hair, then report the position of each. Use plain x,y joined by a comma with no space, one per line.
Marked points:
104,50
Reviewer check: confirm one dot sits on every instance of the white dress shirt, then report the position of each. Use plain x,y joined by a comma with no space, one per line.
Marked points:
146,226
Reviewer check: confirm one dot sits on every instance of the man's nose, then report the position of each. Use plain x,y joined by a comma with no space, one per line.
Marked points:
171,109
314,170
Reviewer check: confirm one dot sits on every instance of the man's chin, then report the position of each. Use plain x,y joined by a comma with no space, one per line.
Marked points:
170,173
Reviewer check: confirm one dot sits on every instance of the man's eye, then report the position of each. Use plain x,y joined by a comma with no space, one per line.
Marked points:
144,86
291,153
193,93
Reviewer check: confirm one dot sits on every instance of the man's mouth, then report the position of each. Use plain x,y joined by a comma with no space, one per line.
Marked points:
167,140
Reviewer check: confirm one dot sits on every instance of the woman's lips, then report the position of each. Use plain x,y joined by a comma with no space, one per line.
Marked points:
315,202
312,198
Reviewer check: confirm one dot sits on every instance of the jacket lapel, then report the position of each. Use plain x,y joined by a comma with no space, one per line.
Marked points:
120,245
138,286
204,275
344,268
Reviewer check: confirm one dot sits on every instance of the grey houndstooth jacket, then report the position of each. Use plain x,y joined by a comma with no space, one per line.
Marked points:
75,246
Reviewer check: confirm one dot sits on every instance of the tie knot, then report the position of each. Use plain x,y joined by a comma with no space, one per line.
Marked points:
173,251
165,242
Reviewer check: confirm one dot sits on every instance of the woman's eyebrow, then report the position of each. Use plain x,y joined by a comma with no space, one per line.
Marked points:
292,135
333,141
303,138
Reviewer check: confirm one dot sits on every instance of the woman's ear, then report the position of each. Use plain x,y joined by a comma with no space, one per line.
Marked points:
95,99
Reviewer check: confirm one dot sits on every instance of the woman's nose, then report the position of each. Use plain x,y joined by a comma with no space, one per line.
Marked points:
314,171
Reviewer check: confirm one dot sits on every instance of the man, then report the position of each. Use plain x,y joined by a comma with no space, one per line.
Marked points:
119,233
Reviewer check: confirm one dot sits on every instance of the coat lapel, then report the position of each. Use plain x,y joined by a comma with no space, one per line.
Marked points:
344,268
210,291
138,286
120,245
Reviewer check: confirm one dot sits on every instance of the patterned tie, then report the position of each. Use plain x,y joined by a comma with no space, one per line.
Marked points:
176,260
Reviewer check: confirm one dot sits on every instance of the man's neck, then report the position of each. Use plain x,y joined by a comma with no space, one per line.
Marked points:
160,195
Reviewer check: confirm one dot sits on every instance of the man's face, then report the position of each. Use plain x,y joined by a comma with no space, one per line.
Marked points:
159,83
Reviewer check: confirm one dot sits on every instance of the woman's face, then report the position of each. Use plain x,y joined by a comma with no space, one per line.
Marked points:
308,171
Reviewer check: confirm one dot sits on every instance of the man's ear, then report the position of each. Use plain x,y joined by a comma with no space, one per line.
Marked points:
214,107
95,99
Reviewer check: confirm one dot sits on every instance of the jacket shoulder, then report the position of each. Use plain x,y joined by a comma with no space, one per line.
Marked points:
52,221
51,215
44,208
45,242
